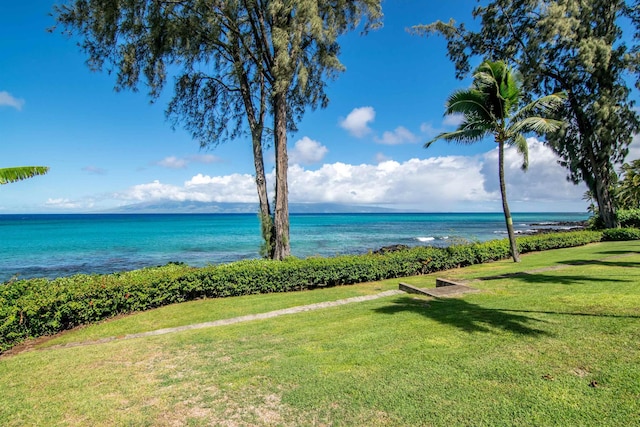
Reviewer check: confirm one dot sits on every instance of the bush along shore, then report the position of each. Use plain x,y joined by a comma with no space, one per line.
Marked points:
37,307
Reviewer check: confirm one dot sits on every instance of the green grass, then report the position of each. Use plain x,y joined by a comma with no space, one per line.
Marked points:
556,346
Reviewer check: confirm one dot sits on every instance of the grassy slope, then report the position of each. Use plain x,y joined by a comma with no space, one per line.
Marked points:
552,347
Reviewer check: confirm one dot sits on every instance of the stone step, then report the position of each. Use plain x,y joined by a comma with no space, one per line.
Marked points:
442,291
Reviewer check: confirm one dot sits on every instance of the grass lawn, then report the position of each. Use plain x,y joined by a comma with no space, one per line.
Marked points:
553,340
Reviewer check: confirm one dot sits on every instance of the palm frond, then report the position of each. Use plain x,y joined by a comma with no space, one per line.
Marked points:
539,125
8,175
468,102
462,135
520,143
545,106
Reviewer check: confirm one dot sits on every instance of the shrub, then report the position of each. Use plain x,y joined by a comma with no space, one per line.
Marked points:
627,217
616,234
36,307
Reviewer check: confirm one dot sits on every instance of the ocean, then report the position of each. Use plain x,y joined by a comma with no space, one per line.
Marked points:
62,245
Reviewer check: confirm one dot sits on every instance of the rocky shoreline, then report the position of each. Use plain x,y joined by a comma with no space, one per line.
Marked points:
536,228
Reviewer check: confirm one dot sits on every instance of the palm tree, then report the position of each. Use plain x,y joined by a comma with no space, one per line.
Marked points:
8,175
629,187
490,106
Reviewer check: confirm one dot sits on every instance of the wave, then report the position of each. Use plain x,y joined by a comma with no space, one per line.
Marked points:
516,231
431,239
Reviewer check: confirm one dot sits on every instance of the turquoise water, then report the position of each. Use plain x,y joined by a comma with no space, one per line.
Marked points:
61,245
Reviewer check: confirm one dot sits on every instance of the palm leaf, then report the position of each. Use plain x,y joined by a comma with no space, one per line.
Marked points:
468,102
467,133
545,106
538,125
8,175
521,146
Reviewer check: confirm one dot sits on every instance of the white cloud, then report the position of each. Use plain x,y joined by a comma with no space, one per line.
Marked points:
381,157
173,162
436,184
9,101
204,158
357,122
307,151
429,131
399,136
234,188
62,203
453,120
545,182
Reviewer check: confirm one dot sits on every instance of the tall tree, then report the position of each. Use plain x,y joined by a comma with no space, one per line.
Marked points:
490,107
575,46
234,59
8,175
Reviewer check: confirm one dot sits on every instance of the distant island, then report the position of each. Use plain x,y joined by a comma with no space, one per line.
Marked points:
212,207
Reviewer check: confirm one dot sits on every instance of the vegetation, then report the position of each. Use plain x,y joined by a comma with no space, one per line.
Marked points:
36,307
8,175
260,57
573,46
615,234
626,217
549,341
628,188
490,107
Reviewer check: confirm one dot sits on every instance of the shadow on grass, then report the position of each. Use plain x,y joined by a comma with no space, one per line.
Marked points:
565,313
466,316
578,262
619,252
537,278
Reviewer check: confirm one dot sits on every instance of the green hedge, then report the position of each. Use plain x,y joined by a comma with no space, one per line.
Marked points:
615,234
37,307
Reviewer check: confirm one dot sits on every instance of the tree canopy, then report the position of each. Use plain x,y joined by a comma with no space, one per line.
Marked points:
233,60
575,46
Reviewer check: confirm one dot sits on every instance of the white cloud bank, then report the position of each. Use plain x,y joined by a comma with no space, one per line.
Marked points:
7,100
544,183
437,184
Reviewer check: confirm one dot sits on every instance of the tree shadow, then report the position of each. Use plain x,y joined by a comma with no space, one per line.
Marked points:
466,316
619,252
566,313
538,279
578,262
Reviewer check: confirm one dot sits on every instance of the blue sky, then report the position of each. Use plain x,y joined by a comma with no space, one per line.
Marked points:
107,149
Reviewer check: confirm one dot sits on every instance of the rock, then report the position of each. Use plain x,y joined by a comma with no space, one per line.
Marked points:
392,248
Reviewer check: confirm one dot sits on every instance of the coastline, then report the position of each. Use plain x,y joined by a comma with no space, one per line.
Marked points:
66,244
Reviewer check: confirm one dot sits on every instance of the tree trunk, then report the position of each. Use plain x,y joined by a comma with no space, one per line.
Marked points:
606,208
594,171
505,207
256,124
281,219
266,222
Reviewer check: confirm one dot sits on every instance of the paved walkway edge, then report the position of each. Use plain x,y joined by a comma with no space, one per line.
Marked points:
234,320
